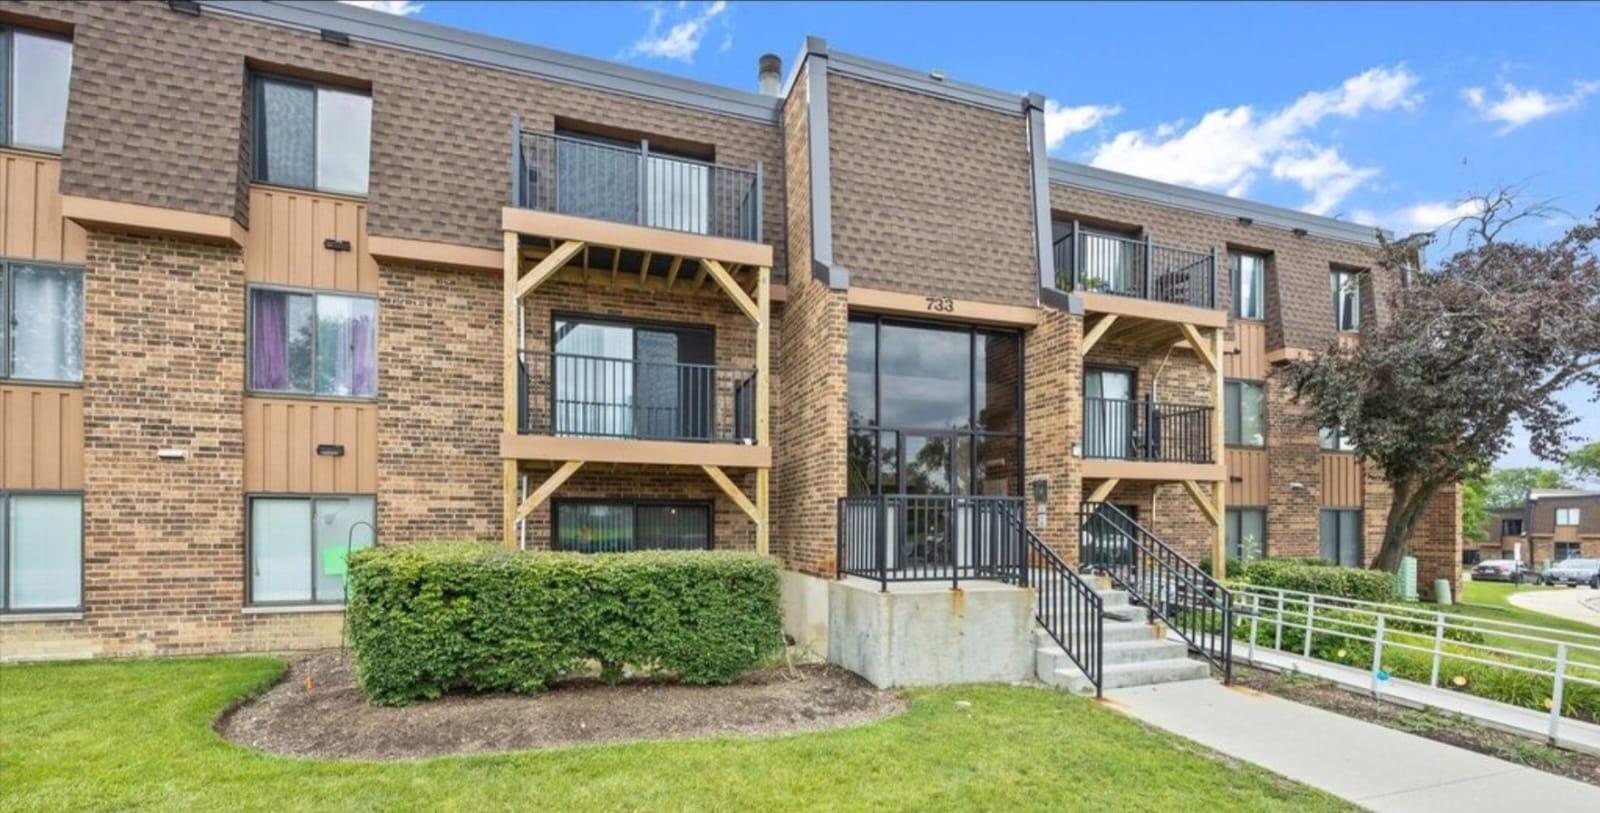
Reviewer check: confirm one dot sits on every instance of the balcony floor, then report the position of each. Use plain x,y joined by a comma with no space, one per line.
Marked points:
625,450
1162,470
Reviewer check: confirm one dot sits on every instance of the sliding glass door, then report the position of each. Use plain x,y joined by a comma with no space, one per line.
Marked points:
613,379
1108,413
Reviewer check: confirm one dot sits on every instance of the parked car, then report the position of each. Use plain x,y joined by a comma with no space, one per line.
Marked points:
1504,570
1573,572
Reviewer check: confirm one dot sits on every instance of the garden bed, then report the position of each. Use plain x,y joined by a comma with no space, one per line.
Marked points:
316,711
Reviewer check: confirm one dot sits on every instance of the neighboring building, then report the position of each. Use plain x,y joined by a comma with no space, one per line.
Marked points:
1549,526
286,278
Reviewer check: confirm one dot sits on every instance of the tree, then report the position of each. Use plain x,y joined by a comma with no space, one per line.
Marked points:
1429,396
1475,509
1584,463
1506,488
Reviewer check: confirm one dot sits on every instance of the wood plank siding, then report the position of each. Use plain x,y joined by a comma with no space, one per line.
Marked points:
31,225
281,437
1341,481
42,428
287,245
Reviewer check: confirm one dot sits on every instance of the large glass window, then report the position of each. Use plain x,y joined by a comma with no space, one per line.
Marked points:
1341,536
299,546
1249,285
595,526
313,343
1346,287
41,309
1244,417
1567,516
615,379
35,71
934,409
1247,533
41,552
312,136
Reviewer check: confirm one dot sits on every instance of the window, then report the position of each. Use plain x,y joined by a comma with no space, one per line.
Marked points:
1566,516
41,309
34,74
934,409
592,526
1511,527
615,379
41,552
1249,285
1247,533
1244,414
313,343
1346,286
1110,414
1341,536
1566,550
312,136
1332,440
298,546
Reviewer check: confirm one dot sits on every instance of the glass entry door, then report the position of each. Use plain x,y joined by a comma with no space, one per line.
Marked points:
1108,413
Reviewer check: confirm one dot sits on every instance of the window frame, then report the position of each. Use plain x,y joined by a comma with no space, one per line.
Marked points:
258,124
1506,521
1261,386
633,506
249,544
1340,275
1236,267
1230,515
6,495
1576,513
8,99
8,308
250,389
1357,515
1574,551
1337,444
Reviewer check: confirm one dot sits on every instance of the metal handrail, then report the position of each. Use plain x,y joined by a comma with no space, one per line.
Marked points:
920,538
1183,596
581,395
1141,268
1066,606
1126,429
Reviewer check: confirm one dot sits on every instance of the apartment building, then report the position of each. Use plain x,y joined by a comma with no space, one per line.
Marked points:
1550,525
289,279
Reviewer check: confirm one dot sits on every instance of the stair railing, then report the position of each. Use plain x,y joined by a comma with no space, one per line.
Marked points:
1065,605
1176,591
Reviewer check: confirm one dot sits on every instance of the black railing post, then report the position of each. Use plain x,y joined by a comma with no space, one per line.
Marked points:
1149,263
1213,285
1077,258
518,174
883,544
839,540
644,181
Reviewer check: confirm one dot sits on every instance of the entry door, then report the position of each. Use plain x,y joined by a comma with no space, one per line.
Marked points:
1108,413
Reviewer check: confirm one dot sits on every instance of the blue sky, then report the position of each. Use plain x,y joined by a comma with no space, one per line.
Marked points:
1386,114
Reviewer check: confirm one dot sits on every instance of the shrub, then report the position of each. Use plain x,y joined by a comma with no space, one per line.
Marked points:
436,617
1320,578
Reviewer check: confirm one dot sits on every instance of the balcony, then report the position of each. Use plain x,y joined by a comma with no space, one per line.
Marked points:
631,185
1148,439
922,538
573,395
1096,263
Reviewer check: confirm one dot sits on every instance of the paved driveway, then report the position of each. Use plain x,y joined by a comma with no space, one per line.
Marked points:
1576,604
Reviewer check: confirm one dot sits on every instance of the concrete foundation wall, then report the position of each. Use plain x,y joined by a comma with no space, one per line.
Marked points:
805,610
929,634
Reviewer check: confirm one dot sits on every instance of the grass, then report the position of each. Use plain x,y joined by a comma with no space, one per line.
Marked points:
1491,601
136,735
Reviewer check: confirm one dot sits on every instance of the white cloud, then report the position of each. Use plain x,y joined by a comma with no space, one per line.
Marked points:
1229,148
1061,121
680,37
399,8
1517,106
1426,216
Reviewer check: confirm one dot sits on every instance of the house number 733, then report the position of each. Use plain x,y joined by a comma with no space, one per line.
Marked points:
942,304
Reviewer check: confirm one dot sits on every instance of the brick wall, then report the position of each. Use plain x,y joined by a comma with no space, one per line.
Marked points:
1293,456
1052,400
732,529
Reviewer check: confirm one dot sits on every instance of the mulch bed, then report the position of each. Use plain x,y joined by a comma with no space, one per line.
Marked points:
1446,728
315,711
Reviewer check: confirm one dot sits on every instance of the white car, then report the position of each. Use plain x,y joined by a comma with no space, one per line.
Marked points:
1573,572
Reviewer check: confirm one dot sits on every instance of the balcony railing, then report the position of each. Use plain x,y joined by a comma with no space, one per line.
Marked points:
1121,429
573,395
1101,263
922,538
626,184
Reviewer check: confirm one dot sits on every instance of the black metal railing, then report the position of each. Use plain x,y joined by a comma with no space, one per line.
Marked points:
576,395
1066,606
1102,263
631,184
1176,591
1123,429
915,538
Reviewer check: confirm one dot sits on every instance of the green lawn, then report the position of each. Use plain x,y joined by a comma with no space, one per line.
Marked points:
136,735
1488,600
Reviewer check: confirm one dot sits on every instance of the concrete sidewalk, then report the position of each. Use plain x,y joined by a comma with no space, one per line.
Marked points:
1378,768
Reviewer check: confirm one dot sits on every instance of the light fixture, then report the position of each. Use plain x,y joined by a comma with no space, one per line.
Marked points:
335,37
171,454
1300,232
1246,221
1297,486
937,74
189,7
330,450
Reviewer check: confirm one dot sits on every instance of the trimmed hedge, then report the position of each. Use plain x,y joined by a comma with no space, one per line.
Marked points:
435,617
1320,578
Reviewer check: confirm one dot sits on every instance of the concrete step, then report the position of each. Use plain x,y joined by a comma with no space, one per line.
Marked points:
1148,673
1116,632
1116,615
1143,651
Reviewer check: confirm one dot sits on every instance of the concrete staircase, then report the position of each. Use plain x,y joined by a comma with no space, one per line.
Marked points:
1136,651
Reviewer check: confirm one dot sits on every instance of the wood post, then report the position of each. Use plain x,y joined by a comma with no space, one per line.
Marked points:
548,487
510,339
1219,449
763,403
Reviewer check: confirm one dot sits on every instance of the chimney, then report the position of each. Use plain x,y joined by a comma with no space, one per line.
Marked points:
770,74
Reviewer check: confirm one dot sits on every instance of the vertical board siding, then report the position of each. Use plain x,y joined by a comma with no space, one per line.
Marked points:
43,437
1249,356
1341,481
287,232
31,226
1247,477
280,446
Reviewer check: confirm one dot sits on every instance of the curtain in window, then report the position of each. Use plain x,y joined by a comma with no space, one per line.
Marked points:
594,527
672,527
40,74
346,358
287,133
45,545
269,368
593,379
47,342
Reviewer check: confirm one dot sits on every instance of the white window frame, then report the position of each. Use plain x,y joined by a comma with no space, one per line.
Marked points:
1345,284
1260,287
1568,517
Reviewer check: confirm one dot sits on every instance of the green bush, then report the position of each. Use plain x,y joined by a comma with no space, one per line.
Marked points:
1319,578
436,617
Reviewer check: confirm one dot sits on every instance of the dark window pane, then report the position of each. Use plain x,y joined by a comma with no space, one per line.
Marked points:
999,460
286,132
927,464
862,463
925,374
998,369
594,527
862,347
673,527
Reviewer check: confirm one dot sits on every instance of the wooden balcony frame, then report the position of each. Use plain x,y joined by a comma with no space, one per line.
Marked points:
541,246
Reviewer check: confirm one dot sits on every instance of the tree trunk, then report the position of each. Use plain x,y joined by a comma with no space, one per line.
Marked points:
1409,501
